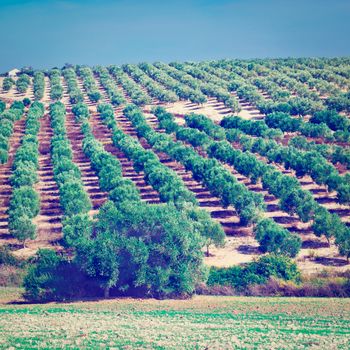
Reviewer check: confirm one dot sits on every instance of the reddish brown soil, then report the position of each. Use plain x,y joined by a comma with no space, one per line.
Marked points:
103,134
48,221
88,175
47,91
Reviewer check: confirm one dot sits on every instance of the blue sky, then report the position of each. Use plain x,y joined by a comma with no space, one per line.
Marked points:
44,34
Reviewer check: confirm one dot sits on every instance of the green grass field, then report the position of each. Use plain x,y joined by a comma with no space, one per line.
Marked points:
200,323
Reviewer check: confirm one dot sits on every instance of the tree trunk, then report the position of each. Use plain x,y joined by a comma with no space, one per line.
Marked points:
207,253
106,292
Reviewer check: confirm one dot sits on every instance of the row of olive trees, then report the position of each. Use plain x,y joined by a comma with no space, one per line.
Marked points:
39,85
276,83
81,111
307,70
153,88
247,84
272,126
25,201
286,86
23,83
7,84
333,120
73,198
276,239
328,81
335,154
7,119
218,180
138,96
249,165
292,198
339,103
301,83
275,123
207,84
325,79
237,129
183,91
56,89
89,83
316,128
115,96
303,162
165,181
75,94
278,86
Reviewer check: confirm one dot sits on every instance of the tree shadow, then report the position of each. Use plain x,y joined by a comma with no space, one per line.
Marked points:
331,261
248,249
311,244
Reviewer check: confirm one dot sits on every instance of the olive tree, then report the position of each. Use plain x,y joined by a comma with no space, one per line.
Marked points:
275,239
153,250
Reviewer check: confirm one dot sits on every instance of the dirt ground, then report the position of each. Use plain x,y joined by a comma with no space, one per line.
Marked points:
216,110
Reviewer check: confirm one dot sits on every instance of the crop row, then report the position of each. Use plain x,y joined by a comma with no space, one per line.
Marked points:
166,182
38,85
153,88
182,91
293,198
210,87
25,201
322,124
89,83
138,96
108,84
7,119
221,183
75,95
56,87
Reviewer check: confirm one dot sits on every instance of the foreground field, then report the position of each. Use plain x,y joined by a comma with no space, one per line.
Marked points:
201,323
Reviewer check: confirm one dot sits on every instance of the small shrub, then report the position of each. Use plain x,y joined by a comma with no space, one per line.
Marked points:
257,272
6,257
